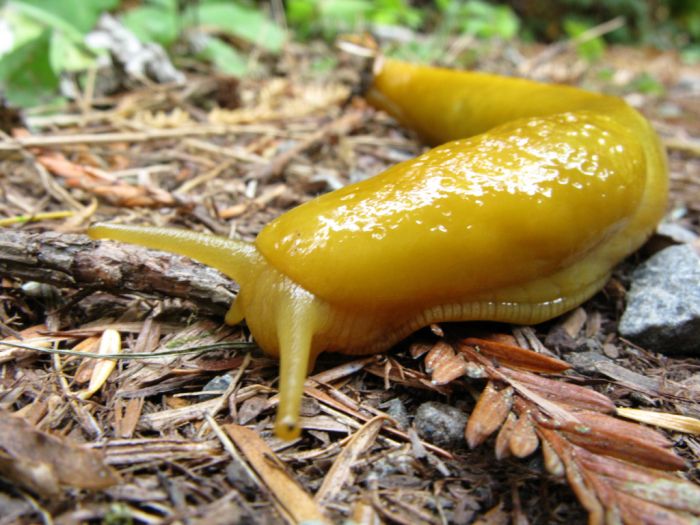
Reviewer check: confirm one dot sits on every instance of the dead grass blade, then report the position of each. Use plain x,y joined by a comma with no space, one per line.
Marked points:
687,424
294,502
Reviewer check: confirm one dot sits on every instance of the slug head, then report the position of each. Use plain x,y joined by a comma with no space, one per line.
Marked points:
283,317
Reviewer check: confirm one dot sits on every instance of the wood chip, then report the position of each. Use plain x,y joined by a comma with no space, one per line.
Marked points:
294,502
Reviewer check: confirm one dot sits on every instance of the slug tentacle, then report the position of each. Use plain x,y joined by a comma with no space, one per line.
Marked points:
297,324
236,259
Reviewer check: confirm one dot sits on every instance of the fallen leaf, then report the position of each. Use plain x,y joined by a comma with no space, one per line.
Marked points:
43,463
490,412
110,343
517,356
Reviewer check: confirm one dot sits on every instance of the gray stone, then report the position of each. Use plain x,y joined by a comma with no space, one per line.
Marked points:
217,386
440,424
663,304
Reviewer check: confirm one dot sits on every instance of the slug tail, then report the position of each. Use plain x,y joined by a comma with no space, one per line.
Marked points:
297,322
236,259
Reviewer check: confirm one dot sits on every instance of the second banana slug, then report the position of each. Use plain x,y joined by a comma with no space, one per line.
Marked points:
536,192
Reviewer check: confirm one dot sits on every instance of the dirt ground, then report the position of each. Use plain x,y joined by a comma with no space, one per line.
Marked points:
185,437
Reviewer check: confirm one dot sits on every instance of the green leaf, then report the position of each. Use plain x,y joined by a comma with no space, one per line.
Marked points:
646,84
484,20
239,21
66,55
76,17
152,23
24,28
224,57
26,75
591,50
302,14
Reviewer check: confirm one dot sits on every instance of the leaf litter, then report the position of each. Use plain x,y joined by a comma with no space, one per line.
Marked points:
126,419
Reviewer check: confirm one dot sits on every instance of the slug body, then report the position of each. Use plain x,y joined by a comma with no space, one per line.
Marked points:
536,193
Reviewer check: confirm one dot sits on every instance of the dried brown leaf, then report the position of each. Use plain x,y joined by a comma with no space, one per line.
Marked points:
635,510
447,370
110,344
418,349
516,356
563,392
614,426
126,421
502,445
607,435
251,408
584,492
42,462
523,439
441,351
674,494
84,370
488,415
552,461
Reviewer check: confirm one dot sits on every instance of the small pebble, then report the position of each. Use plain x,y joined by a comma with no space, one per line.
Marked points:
663,304
216,386
441,424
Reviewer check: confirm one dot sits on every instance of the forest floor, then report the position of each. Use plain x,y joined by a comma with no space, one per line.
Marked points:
156,440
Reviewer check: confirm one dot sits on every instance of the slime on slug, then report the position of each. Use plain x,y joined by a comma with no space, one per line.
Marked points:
536,192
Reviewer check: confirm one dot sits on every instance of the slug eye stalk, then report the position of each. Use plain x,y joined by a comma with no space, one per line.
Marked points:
282,316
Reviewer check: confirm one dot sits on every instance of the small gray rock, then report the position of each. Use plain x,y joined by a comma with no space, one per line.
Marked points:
217,386
440,424
663,304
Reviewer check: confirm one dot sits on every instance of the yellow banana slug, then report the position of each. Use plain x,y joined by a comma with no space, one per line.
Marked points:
536,192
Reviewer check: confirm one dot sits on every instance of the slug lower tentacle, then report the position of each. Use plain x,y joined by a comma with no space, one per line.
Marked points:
538,191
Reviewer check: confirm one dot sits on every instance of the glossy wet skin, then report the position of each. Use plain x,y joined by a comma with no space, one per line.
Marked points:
519,223
520,202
